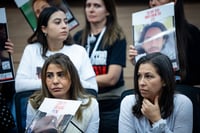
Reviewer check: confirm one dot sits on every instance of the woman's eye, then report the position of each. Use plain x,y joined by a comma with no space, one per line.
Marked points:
61,74
66,21
97,5
88,5
49,75
57,22
149,76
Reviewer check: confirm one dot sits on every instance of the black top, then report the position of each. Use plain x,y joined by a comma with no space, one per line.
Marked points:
193,55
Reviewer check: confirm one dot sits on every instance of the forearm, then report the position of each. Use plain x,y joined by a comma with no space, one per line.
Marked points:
110,78
90,83
105,81
23,84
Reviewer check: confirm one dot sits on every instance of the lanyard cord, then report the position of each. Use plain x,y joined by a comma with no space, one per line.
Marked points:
97,43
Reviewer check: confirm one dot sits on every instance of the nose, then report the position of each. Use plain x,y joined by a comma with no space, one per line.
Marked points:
55,79
91,8
64,24
141,80
152,3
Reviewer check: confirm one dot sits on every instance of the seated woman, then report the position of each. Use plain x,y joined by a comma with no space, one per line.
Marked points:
155,107
60,80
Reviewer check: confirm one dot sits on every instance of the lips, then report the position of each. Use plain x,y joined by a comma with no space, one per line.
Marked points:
64,33
142,91
91,17
56,89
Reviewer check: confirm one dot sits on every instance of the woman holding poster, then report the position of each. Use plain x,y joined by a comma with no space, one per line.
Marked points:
188,45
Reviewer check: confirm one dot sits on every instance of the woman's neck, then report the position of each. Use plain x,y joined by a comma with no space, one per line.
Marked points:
97,28
55,45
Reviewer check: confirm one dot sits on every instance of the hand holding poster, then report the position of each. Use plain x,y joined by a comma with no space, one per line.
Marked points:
154,31
53,115
6,63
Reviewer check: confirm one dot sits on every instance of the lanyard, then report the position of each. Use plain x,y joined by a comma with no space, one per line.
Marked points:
97,43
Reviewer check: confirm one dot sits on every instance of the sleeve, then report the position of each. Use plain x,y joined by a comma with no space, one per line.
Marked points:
87,75
118,53
183,118
184,115
30,113
93,126
24,77
126,118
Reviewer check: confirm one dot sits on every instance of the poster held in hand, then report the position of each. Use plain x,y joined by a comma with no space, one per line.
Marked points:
25,7
54,115
6,61
154,31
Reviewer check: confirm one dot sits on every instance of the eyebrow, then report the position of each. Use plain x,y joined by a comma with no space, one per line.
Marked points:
55,19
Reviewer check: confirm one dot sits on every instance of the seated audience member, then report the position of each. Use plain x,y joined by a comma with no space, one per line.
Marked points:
155,107
50,37
60,80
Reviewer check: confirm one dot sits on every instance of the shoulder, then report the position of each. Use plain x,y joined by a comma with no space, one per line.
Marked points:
75,47
180,99
194,33
93,101
193,28
128,101
30,109
33,46
91,109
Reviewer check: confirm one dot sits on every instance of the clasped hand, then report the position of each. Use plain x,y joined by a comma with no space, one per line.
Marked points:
151,110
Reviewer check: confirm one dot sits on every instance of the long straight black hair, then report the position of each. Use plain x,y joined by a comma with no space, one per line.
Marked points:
164,68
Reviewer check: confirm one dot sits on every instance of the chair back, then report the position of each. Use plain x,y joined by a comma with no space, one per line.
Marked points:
91,91
20,103
127,92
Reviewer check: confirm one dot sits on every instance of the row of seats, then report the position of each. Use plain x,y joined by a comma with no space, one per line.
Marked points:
21,99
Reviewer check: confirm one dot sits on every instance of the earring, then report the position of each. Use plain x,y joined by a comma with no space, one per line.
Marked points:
45,34
164,85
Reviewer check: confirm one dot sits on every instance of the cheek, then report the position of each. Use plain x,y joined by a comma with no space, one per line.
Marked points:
53,32
150,3
48,84
156,87
147,45
66,84
158,42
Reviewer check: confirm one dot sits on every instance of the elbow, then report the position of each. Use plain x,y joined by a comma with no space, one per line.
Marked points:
113,81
